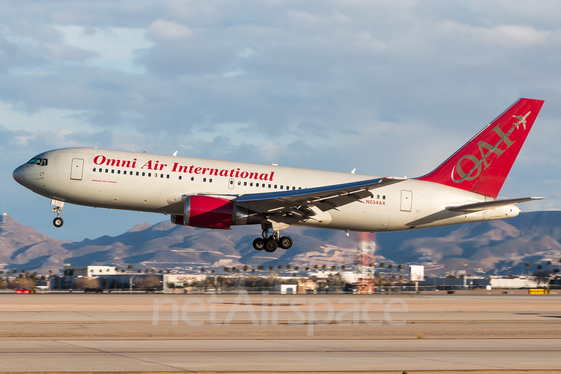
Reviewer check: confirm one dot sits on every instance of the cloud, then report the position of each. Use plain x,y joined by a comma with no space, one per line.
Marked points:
112,47
168,31
509,36
7,136
391,88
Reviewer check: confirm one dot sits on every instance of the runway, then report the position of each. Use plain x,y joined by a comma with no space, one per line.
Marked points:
332,334
282,356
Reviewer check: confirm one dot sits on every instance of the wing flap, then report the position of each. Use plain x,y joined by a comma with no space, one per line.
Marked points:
325,197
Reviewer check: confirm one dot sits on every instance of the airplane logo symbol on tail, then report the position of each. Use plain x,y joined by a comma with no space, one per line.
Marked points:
521,120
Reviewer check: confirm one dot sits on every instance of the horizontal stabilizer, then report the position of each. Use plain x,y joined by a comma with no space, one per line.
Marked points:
490,204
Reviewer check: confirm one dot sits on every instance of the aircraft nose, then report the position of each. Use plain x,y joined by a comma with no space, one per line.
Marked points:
19,174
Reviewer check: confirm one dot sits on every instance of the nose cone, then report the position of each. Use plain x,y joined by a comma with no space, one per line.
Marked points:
19,175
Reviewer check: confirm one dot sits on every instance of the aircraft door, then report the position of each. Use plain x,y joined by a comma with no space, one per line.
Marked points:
231,183
77,169
406,201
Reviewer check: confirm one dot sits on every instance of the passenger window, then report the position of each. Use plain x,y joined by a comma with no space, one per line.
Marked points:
94,169
231,182
269,186
281,187
192,179
245,183
180,177
293,188
149,174
384,197
118,171
239,183
137,173
210,180
143,174
167,176
251,184
204,179
107,170
275,186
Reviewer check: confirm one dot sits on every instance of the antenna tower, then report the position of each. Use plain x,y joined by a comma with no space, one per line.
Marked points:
364,262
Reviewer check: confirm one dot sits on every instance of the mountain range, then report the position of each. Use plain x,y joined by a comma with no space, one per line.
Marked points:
496,247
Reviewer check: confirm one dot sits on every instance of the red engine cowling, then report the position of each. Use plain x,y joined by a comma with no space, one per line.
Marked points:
213,213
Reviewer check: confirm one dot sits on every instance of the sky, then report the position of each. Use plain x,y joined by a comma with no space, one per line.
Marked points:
391,88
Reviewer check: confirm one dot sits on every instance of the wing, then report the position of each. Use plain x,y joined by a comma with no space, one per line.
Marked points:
490,204
302,204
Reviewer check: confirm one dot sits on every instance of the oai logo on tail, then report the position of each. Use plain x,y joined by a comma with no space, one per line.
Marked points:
483,163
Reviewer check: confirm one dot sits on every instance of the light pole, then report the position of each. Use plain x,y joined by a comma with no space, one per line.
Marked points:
130,282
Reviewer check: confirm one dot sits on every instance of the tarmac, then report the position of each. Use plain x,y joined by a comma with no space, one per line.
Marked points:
467,332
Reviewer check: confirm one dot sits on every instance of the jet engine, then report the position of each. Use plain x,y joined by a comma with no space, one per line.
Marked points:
211,212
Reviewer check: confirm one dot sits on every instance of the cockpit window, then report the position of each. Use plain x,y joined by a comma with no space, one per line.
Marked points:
38,161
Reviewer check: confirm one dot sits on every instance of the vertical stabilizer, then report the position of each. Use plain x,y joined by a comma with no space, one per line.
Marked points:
484,162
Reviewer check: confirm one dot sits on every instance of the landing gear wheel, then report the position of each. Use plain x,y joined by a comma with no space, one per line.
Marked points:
271,245
259,244
58,222
285,242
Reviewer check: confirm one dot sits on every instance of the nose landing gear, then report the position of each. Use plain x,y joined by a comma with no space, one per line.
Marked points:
58,221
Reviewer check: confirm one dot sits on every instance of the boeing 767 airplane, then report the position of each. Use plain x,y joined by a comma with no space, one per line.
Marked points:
219,194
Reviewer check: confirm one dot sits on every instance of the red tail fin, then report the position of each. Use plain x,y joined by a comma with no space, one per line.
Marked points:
484,162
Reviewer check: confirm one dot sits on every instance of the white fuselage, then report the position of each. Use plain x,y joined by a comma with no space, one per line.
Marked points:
158,183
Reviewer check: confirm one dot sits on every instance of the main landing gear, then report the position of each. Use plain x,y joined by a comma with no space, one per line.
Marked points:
271,243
